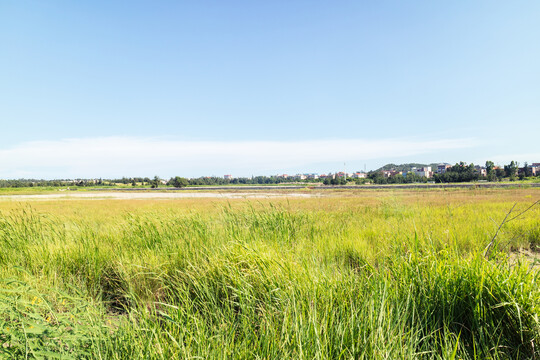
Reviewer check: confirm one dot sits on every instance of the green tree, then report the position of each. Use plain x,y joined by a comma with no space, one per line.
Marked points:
527,171
490,170
178,182
155,182
511,170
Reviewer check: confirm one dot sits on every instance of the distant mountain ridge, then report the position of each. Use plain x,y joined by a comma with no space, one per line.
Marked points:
406,167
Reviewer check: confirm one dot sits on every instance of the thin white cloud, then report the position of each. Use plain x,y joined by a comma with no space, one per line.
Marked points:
132,156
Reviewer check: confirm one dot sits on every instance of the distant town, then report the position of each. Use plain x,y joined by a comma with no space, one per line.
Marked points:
388,174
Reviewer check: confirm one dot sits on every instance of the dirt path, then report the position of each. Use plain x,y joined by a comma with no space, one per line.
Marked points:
151,195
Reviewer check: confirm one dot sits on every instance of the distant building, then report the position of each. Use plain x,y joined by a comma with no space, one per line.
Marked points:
424,171
482,171
329,176
359,175
535,169
441,168
227,177
390,173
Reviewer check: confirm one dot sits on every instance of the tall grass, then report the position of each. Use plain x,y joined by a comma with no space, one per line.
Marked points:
392,279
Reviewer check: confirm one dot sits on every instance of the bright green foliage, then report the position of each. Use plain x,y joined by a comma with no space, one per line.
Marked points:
384,281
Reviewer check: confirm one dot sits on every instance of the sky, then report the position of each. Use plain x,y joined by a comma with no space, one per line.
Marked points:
199,88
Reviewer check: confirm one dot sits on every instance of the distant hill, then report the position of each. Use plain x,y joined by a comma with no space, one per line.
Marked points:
406,167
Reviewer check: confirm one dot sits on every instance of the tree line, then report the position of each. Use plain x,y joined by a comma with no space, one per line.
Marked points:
460,172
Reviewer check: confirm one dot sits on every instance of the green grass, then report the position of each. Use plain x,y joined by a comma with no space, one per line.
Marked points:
391,276
29,190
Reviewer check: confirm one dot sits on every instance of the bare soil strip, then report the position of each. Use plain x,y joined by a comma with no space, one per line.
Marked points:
332,187
118,195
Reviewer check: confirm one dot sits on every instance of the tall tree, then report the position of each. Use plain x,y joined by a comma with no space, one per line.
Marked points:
511,169
490,170
527,171
155,182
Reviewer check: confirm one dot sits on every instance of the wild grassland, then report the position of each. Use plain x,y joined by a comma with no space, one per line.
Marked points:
355,275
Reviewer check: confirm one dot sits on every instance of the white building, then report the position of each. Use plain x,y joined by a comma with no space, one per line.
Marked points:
423,171
359,175
482,171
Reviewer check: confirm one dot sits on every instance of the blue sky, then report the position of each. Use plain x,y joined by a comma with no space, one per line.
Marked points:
139,88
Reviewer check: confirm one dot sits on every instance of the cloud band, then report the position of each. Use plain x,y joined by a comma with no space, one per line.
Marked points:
134,156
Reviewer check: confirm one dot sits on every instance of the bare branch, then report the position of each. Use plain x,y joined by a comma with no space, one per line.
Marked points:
490,245
524,211
506,220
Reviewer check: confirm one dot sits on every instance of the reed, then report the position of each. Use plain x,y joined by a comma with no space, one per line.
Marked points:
399,275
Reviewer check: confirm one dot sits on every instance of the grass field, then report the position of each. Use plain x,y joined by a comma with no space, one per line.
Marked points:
393,274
